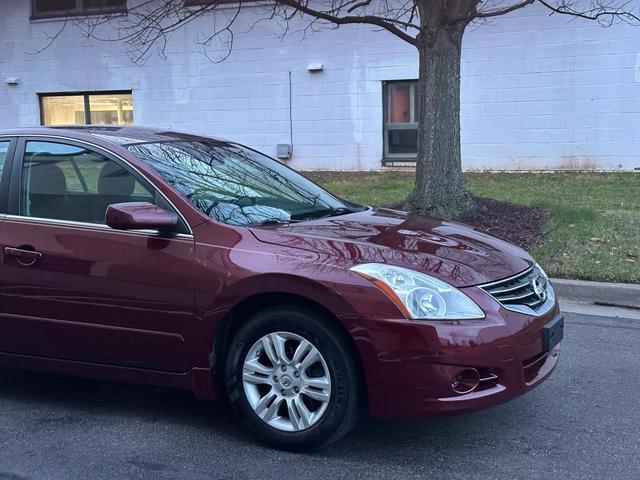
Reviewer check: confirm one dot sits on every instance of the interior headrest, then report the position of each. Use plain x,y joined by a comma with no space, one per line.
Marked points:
115,180
47,179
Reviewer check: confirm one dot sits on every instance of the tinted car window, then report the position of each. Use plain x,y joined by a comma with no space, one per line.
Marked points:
234,184
67,182
4,148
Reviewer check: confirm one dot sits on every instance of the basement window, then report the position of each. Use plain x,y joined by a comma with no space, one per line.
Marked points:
86,108
74,8
400,114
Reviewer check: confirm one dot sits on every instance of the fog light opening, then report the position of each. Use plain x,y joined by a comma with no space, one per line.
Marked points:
466,381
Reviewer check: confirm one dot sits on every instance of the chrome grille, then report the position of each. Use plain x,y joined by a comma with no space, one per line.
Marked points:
527,292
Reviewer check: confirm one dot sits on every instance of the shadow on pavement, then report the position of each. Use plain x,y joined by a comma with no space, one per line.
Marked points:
170,408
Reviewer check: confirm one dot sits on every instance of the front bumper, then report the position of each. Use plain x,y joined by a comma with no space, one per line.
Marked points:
410,365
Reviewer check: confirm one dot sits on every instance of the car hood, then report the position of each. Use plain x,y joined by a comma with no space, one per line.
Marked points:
452,252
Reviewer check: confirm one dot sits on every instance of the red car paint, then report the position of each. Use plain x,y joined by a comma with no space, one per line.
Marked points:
132,215
148,308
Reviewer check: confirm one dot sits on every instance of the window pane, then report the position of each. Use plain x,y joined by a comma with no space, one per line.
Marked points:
65,182
116,109
399,103
63,110
104,4
401,121
48,6
51,8
4,148
403,141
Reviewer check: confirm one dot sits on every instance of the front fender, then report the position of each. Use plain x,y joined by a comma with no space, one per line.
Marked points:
215,297
320,292
240,268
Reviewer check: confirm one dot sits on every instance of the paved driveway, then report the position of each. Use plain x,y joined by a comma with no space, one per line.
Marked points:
582,423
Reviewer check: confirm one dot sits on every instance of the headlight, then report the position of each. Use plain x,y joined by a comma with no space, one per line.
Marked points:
418,295
537,265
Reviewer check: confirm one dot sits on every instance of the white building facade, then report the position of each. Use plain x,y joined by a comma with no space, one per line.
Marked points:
538,92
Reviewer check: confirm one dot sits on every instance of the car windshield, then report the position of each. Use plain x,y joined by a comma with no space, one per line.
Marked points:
237,185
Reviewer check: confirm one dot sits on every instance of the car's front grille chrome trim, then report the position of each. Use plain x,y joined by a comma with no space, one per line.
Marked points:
511,289
528,292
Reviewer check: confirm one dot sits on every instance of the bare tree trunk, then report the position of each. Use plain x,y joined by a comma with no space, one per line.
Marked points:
440,187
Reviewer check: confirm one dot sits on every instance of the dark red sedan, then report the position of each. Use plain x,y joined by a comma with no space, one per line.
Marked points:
171,259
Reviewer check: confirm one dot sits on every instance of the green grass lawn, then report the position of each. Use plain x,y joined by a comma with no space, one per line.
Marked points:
594,230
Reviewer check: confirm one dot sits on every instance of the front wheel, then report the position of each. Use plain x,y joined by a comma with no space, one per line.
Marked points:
292,380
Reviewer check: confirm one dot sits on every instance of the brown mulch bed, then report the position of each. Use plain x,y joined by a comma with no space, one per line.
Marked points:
519,224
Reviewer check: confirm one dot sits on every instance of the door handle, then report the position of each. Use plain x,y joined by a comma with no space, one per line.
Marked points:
24,256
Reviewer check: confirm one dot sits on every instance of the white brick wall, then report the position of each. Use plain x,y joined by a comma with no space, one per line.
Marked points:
537,92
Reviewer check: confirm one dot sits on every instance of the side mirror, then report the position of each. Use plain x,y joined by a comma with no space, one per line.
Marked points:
140,215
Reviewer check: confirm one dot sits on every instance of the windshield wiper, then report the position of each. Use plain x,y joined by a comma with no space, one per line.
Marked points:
311,215
322,213
272,221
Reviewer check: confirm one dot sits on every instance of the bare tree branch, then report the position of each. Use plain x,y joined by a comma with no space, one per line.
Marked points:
226,29
343,20
493,13
358,5
604,12
51,38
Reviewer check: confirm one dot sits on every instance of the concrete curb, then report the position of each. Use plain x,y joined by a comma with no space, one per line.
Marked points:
598,293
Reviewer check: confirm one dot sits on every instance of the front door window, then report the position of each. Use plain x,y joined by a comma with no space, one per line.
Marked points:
67,182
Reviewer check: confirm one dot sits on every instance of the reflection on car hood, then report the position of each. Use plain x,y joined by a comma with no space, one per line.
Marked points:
455,253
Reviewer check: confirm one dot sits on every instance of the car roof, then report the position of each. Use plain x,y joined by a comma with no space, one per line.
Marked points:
118,135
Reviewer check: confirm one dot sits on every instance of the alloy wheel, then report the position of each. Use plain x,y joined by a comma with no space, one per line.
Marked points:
286,381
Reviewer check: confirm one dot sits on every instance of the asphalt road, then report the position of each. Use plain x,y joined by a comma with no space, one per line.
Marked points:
584,422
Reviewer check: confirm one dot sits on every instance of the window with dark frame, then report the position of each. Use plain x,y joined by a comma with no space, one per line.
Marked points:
400,120
68,8
85,108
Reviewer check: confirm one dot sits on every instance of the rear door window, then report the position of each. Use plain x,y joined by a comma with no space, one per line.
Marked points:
4,150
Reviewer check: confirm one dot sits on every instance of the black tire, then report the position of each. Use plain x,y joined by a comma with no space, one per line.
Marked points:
345,404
